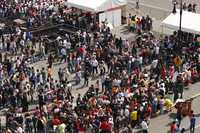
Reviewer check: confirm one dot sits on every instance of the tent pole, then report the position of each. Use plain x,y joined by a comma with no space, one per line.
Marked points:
180,25
95,17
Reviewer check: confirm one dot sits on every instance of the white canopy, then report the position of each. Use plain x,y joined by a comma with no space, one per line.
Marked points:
190,22
96,5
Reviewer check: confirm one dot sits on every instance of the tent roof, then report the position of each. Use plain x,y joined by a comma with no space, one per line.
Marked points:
96,5
190,22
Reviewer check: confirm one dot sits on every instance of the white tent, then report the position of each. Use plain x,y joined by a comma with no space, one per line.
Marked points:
190,22
109,9
96,5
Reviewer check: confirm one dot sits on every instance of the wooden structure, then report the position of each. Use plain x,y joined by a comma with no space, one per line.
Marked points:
185,107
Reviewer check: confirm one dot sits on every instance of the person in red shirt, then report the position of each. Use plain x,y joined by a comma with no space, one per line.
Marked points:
149,111
163,73
173,127
80,126
105,127
56,121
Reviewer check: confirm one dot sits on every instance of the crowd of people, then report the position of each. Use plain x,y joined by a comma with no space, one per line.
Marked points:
138,24
39,13
127,82
190,7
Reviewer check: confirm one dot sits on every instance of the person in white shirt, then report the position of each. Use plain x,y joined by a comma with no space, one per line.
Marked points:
63,55
19,129
94,64
144,126
157,49
126,112
126,45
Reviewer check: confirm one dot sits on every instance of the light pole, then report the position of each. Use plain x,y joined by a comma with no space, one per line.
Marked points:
180,23
181,13
180,26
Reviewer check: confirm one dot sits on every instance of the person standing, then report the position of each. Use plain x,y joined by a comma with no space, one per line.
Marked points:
86,77
44,75
41,101
144,126
179,118
192,123
134,118
161,105
63,54
50,60
25,103
41,125
173,127
180,86
137,4
94,64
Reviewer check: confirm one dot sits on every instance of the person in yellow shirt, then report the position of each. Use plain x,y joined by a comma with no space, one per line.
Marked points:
50,72
168,104
129,20
134,116
132,25
61,128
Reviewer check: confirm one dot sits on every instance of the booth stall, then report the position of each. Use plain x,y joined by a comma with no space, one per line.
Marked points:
190,22
110,10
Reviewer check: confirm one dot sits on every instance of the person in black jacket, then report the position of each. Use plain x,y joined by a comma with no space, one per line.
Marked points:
24,103
41,101
86,77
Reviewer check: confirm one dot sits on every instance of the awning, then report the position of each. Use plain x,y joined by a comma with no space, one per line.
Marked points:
96,5
190,22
